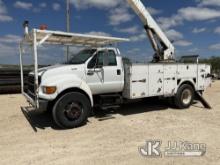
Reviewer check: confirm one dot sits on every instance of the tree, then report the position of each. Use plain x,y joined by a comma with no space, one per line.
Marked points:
214,62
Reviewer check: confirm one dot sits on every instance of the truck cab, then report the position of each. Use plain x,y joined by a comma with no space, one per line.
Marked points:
91,72
95,70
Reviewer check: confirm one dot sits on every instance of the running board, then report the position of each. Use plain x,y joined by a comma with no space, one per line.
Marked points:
202,100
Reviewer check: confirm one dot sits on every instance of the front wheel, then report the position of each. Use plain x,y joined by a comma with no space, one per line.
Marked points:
71,110
184,96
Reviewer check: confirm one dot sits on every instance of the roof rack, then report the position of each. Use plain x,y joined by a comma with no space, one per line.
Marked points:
64,38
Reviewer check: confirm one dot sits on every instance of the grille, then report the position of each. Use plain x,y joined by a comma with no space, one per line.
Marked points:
31,86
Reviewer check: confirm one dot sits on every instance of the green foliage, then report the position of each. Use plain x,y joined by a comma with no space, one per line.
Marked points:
214,62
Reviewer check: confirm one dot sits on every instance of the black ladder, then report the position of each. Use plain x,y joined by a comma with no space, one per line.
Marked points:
202,100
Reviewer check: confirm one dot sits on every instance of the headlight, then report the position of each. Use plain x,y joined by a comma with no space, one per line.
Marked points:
49,89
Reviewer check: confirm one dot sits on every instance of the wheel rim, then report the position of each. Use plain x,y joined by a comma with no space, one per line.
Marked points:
73,111
186,96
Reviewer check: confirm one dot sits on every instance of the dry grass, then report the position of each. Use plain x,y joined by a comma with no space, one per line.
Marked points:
108,138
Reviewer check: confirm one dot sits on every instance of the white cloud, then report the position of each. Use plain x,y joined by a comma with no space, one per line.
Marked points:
209,2
96,33
174,35
43,5
134,50
119,9
8,50
198,14
40,7
182,43
168,22
193,50
215,46
139,37
4,17
130,30
23,5
82,4
10,39
9,47
120,15
198,30
189,14
171,34
154,11
217,30
3,9
56,6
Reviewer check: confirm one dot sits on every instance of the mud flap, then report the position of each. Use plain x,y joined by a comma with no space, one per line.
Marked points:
202,100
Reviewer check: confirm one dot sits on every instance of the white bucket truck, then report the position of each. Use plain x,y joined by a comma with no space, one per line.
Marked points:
97,75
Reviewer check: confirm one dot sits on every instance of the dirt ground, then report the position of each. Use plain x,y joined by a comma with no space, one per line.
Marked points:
108,138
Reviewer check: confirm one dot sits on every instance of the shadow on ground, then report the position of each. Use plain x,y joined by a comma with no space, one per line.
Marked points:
44,120
38,120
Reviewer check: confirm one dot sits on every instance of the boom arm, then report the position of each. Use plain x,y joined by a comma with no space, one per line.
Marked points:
164,49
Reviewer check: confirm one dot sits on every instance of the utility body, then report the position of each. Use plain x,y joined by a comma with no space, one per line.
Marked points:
98,76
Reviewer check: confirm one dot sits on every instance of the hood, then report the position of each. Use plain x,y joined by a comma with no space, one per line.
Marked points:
42,70
57,70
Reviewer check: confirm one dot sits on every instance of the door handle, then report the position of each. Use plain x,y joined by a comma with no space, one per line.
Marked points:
98,70
118,71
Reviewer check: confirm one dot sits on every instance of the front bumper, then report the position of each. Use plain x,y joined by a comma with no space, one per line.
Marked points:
43,105
40,104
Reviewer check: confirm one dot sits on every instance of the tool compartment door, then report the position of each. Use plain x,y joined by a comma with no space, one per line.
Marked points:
139,81
156,79
170,79
203,80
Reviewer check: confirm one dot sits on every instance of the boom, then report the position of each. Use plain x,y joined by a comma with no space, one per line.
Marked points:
164,49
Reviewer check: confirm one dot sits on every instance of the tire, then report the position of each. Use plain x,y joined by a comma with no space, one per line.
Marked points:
71,110
184,97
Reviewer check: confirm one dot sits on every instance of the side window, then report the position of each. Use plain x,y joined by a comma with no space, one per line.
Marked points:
100,60
112,58
97,60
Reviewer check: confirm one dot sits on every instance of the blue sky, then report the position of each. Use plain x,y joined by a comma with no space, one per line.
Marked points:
194,25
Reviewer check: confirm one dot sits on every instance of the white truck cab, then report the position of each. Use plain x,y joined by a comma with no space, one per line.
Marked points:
95,71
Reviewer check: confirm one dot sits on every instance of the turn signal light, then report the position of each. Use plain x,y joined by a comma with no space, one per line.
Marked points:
49,90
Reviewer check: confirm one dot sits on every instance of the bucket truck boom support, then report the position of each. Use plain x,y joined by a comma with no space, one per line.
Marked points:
164,49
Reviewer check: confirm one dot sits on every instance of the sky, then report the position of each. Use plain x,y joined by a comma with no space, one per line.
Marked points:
193,25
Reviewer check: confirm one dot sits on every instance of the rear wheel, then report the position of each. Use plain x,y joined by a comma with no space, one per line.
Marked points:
71,110
184,96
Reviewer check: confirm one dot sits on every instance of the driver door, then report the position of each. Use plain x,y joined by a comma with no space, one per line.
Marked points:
95,73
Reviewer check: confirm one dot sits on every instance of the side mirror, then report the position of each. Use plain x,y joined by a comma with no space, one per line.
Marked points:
98,66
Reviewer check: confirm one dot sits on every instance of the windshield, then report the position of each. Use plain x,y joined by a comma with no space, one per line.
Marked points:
82,56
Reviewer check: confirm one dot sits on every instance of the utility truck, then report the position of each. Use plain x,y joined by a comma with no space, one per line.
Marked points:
98,76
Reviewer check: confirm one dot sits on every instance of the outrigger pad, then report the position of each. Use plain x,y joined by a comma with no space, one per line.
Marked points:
202,100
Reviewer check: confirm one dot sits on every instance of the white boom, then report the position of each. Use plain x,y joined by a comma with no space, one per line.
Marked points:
161,44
